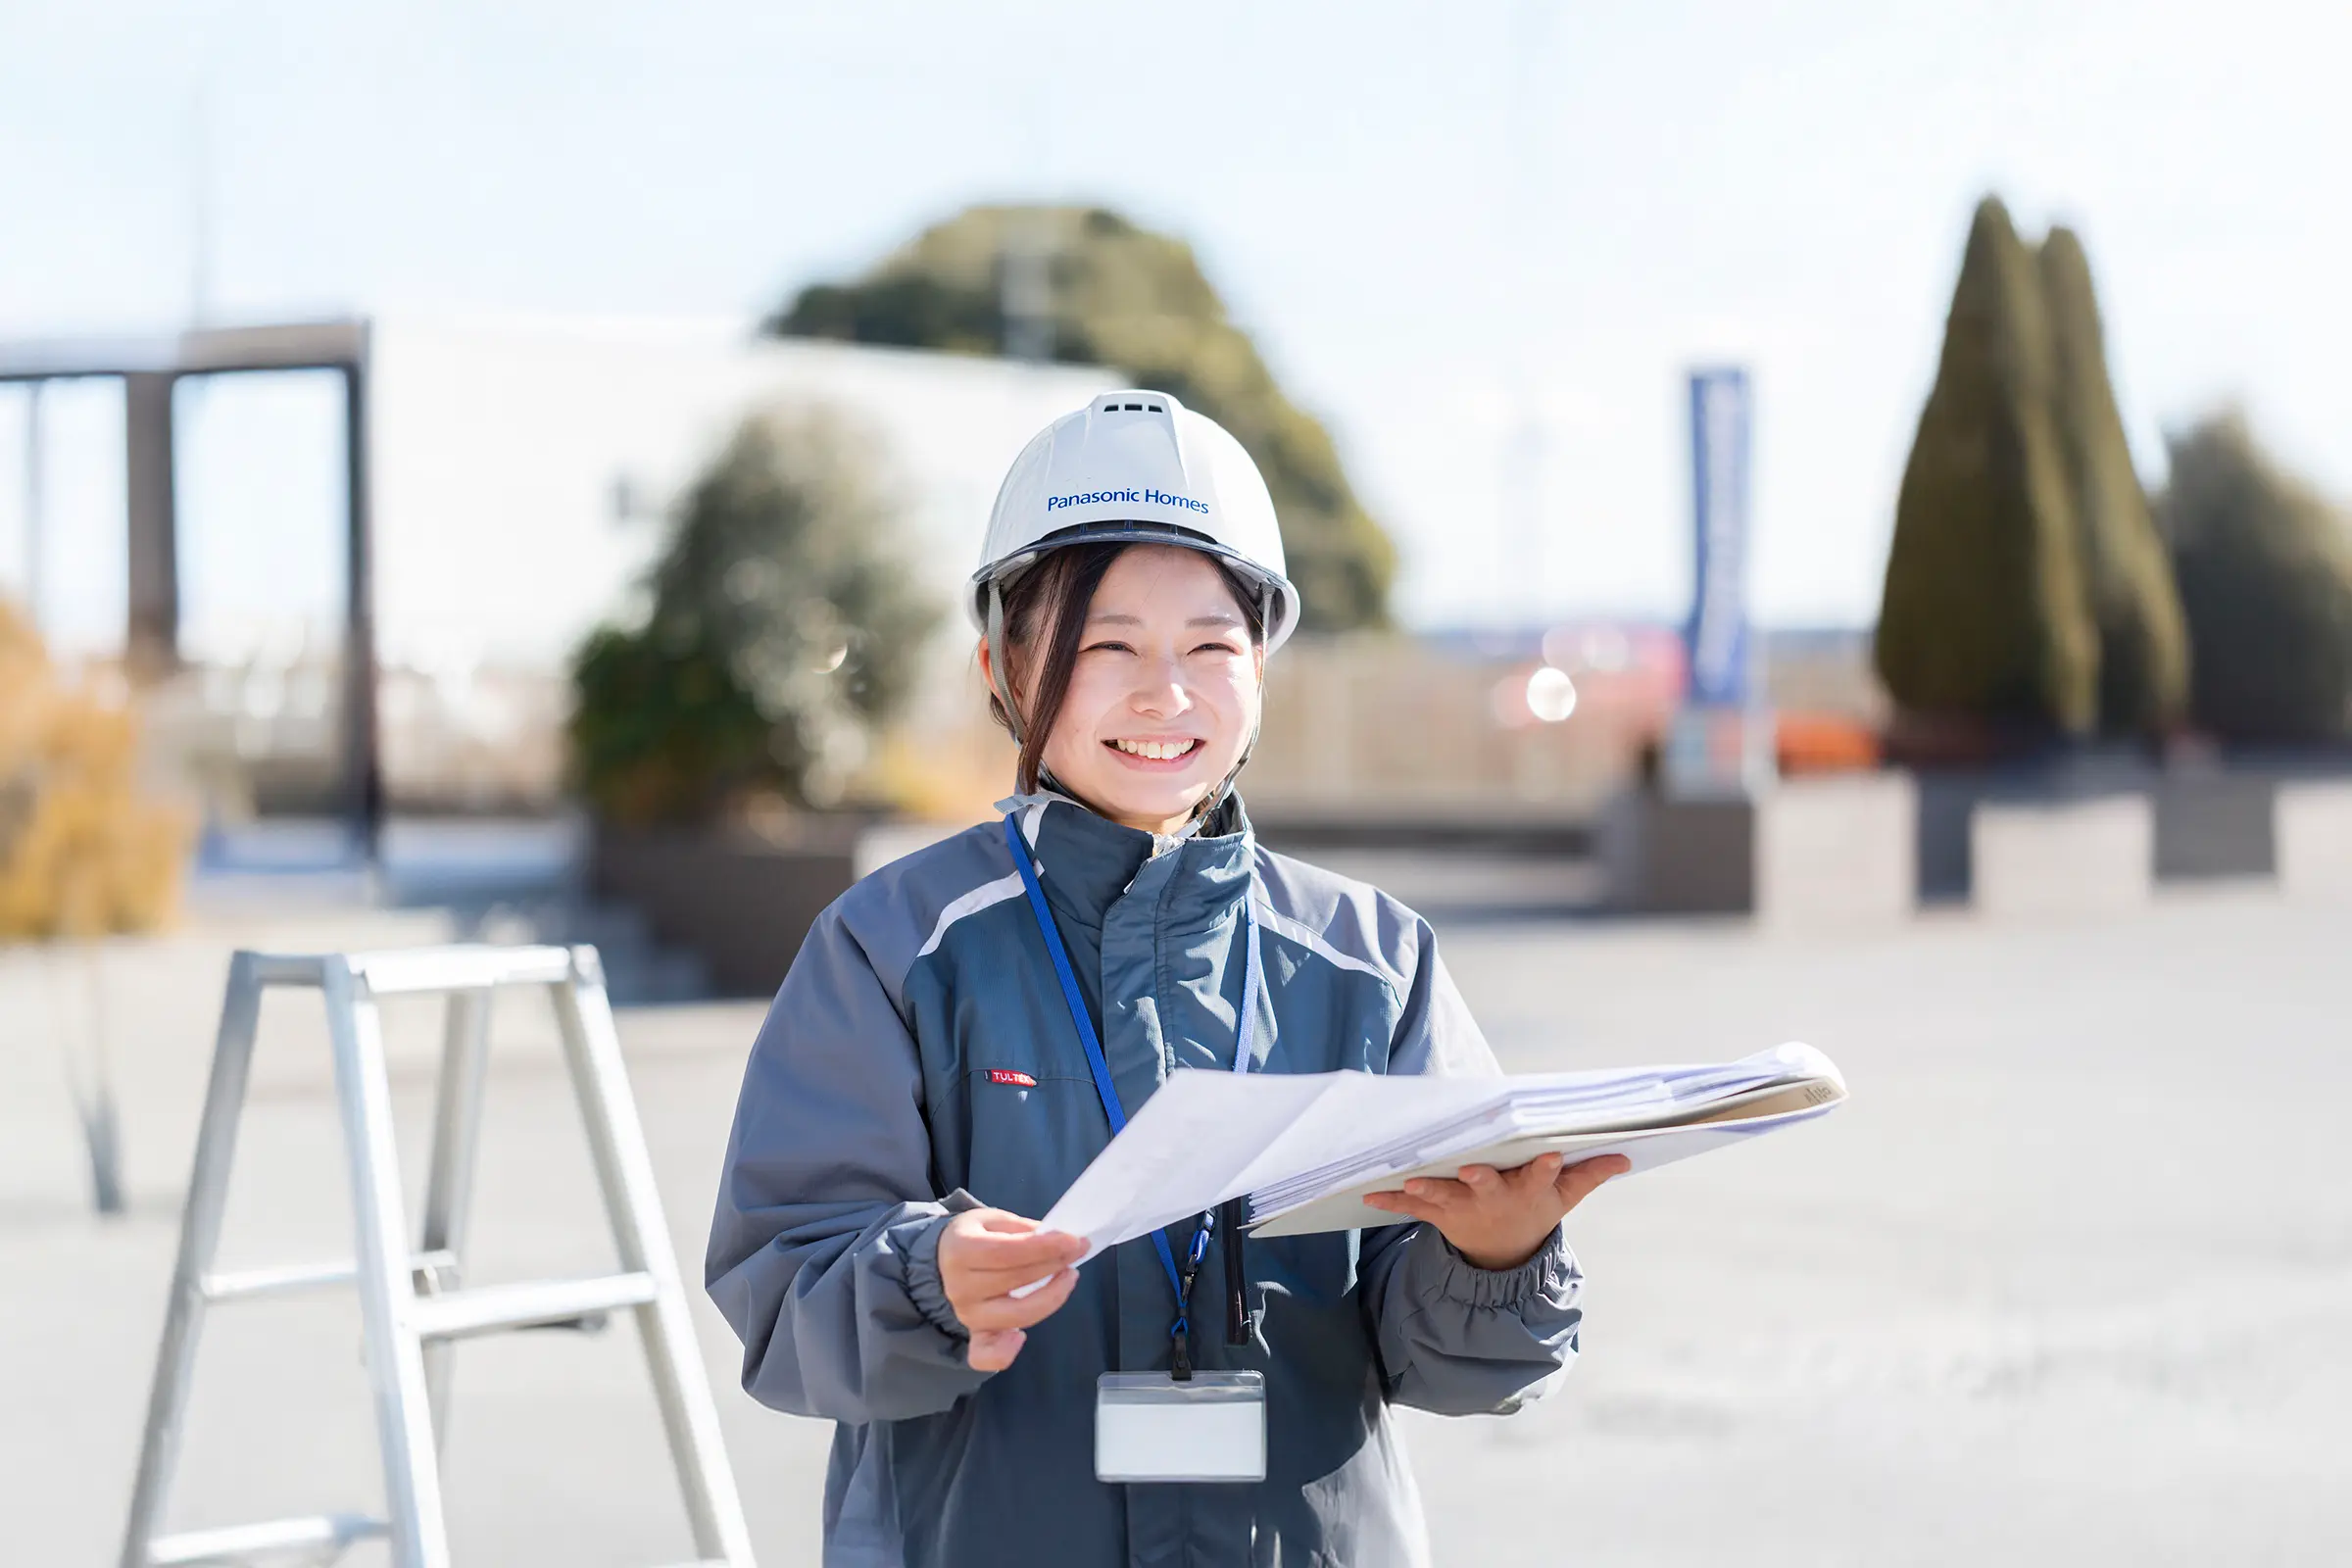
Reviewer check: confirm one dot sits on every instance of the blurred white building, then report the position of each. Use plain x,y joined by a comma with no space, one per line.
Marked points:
513,475
520,466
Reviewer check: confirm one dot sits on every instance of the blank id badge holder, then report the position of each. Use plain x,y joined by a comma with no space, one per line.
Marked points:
1210,1427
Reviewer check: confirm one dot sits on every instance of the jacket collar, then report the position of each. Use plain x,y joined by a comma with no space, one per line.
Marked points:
1091,862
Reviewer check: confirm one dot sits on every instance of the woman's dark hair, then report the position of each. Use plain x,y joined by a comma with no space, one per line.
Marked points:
1052,598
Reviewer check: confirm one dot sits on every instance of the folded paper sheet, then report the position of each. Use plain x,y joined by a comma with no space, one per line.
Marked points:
1305,1148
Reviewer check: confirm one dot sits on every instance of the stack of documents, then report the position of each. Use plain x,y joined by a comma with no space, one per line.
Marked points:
1307,1149
1651,1115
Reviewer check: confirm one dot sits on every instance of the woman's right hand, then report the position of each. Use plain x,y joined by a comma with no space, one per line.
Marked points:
985,1254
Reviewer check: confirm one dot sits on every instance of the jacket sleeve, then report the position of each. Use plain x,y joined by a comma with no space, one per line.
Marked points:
1452,1337
825,1250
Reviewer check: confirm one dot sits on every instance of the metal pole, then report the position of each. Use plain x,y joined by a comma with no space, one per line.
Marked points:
100,1125
386,1275
199,1235
624,1171
364,784
1521,535
152,637
1025,293
200,207
449,1182
36,506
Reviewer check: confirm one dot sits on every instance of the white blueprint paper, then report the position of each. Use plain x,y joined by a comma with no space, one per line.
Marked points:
1307,1145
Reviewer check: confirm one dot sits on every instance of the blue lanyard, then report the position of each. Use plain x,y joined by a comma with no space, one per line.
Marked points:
1244,1032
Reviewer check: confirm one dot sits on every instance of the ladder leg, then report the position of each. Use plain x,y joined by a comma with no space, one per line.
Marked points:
386,1281
199,1237
449,1182
625,1172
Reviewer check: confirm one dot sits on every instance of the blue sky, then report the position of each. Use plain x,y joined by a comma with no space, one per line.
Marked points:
1442,223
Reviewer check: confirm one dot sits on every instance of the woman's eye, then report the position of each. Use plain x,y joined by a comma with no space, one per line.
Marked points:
1106,647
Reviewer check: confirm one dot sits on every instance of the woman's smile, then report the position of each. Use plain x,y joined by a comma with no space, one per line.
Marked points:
1169,753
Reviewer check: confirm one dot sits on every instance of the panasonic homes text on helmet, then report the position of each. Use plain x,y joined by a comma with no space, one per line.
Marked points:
1132,498
1154,471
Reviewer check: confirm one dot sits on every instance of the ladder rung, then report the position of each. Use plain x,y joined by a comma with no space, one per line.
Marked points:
408,971
236,1543
460,968
288,1279
488,1308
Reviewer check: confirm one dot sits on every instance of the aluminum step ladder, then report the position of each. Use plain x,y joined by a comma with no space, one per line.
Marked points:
412,1305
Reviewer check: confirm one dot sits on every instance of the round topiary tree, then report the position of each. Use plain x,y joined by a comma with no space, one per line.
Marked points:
783,630
2265,570
1113,293
1985,618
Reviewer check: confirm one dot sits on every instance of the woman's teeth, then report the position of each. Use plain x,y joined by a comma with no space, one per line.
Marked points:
1156,751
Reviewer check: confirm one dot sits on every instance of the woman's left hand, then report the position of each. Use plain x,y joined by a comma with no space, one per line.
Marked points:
1498,1219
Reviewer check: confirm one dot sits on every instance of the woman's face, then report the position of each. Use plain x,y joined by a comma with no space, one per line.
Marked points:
1164,693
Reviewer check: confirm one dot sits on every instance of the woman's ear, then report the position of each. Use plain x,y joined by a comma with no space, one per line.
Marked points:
988,670
996,696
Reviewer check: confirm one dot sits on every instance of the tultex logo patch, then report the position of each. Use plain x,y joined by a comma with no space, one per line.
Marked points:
1132,498
1005,1075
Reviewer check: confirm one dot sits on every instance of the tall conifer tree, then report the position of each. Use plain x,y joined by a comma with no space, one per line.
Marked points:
2143,642
1985,615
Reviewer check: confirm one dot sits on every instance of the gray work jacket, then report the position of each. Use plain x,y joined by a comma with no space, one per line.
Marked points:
921,1056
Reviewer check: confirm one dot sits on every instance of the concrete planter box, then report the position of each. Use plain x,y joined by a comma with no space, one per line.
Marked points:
2206,823
1951,800
2215,825
1831,850
2062,857
2314,828
1667,856
1837,851
740,901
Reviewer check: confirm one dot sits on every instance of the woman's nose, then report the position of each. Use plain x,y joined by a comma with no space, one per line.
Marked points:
1161,694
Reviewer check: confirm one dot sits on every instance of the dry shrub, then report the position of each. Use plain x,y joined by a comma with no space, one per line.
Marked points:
84,850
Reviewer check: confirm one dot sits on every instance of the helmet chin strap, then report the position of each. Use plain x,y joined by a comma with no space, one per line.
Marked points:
1000,673
1266,608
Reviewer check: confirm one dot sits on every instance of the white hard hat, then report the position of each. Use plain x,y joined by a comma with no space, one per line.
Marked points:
1137,468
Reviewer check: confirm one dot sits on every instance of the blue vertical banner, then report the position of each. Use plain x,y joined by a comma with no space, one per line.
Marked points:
1716,636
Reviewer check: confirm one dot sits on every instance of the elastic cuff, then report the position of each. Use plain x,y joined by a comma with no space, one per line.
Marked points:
923,1286
1508,1289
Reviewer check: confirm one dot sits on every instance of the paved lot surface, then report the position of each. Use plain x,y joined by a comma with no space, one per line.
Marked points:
2071,1280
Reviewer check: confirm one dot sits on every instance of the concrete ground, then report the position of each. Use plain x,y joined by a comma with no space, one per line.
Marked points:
2070,1281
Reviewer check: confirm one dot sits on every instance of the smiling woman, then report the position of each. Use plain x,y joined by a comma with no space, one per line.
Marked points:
964,1030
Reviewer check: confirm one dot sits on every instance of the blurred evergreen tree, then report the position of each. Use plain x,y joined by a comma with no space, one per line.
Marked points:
2264,568
2143,651
1108,292
783,631
1985,617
